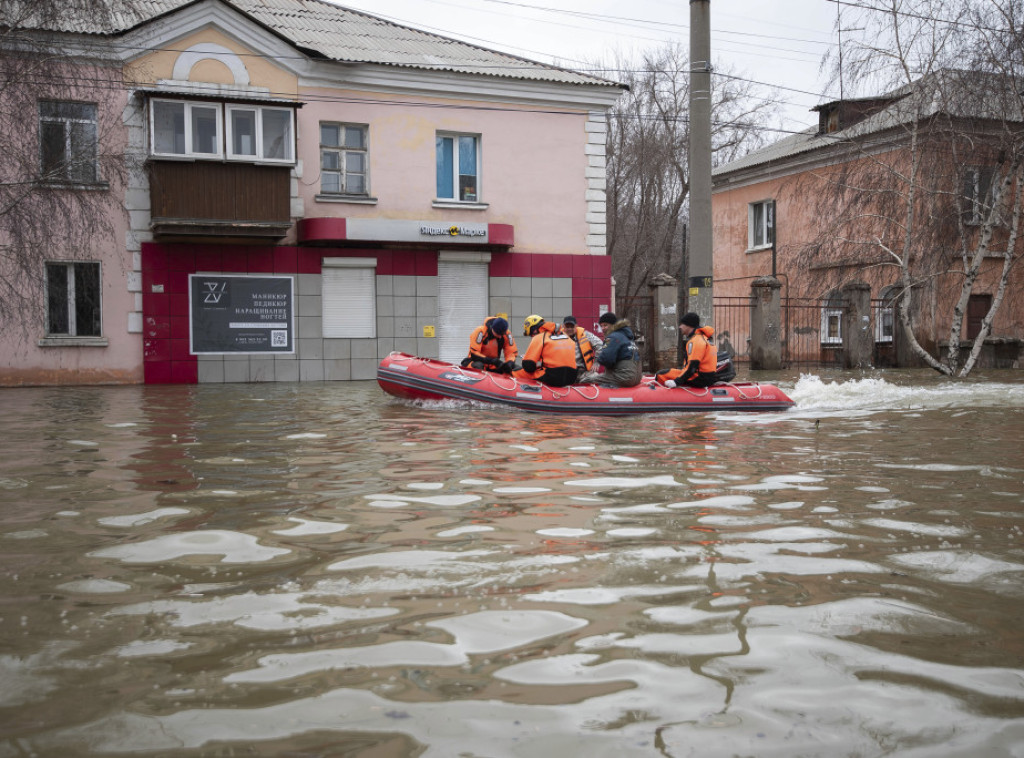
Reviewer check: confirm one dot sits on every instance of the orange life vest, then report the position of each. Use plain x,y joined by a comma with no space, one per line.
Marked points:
699,349
579,336
550,358
483,344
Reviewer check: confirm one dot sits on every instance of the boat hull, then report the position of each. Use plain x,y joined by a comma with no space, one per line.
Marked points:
413,378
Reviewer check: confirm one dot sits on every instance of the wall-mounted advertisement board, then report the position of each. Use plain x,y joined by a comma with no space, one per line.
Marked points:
241,314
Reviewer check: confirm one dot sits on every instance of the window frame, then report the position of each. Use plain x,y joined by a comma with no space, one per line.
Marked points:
767,225
456,188
887,305
259,133
188,106
832,313
342,150
68,162
976,190
71,304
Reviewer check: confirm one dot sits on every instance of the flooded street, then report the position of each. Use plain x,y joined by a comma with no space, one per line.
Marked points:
322,570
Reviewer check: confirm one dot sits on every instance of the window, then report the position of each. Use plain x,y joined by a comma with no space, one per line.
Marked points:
73,299
458,176
760,224
832,319
343,159
255,133
259,133
885,316
978,307
349,297
186,129
977,190
68,141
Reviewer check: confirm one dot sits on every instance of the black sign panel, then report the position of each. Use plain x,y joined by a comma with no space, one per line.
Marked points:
241,314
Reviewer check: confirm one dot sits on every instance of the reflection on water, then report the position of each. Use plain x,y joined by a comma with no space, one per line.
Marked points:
325,571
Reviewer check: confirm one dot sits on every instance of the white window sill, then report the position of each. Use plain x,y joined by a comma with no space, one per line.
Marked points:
353,199
759,249
461,205
72,342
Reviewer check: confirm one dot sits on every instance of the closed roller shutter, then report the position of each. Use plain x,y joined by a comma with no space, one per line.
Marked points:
461,304
350,298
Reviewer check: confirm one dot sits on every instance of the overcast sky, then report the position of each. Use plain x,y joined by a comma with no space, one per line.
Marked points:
779,42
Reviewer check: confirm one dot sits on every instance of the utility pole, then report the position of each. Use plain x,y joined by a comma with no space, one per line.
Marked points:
700,293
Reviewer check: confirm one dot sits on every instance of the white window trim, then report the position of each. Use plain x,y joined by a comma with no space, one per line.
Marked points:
765,231
258,158
887,305
828,312
189,105
454,201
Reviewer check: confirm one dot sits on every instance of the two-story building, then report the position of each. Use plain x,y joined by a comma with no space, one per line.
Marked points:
311,188
879,182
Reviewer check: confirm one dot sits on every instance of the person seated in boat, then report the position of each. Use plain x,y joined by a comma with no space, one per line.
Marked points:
587,345
619,355
701,369
551,357
491,347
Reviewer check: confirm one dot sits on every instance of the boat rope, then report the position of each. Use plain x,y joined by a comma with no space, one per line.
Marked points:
494,381
579,390
745,396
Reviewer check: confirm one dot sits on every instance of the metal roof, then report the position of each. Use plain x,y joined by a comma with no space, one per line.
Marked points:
326,30
959,94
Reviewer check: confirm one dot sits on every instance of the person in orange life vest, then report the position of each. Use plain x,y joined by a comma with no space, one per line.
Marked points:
551,357
586,344
491,347
701,356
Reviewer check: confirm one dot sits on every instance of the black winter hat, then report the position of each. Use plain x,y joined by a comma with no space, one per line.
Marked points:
608,318
690,319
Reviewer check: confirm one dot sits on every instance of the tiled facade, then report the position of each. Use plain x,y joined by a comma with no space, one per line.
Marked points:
406,301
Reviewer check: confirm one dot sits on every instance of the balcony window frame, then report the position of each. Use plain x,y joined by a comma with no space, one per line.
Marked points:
258,156
188,106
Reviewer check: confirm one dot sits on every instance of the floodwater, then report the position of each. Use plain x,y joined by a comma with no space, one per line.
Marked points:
322,570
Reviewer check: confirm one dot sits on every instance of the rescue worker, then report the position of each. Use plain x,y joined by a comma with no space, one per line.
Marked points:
551,356
491,347
587,345
701,356
619,356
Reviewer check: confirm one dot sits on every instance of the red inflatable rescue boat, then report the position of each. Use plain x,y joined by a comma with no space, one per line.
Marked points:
412,378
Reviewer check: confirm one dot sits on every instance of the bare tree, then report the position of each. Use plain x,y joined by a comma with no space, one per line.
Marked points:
64,157
648,184
926,192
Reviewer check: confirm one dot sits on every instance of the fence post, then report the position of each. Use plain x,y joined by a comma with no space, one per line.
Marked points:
766,324
665,328
858,339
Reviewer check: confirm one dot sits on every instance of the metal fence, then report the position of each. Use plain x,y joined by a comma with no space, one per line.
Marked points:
810,331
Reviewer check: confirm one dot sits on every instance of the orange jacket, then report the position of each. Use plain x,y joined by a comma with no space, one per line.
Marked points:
699,350
552,356
579,336
483,344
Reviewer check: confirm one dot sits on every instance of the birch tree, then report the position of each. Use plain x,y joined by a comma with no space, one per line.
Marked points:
63,159
933,193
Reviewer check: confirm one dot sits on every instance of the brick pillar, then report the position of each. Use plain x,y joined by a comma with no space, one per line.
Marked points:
858,338
766,324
